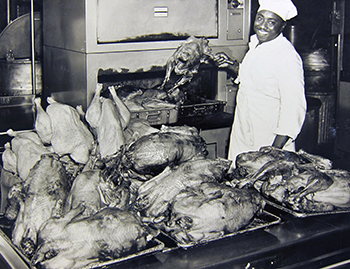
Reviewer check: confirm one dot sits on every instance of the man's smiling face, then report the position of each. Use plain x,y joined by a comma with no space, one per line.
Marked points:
268,25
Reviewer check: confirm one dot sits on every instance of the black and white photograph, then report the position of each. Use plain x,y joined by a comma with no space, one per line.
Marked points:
168,134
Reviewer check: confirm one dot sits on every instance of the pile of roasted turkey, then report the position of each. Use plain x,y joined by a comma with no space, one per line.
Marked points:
92,186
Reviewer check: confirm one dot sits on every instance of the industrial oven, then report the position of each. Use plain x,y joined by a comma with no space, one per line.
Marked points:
85,40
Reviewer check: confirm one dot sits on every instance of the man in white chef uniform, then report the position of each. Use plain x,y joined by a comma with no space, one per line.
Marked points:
271,103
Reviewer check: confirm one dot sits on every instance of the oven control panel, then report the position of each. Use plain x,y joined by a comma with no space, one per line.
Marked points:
235,19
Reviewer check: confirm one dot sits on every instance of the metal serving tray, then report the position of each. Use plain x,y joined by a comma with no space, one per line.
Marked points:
305,214
15,259
261,220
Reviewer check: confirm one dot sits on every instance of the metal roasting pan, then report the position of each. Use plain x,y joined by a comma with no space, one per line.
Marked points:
157,116
153,246
11,253
305,214
16,259
262,220
199,106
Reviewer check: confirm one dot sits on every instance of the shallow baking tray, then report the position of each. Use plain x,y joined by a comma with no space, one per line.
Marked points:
151,247
262,220
157,116
305,214
199,106
14,256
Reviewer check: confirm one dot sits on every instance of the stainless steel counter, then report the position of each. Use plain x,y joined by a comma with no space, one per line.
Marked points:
309,242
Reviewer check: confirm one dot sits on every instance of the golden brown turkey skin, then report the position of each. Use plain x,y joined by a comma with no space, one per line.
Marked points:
207,212
110,233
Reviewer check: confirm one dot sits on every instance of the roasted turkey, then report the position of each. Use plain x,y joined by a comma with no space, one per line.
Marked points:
42,196
248,163
95,192
210,210
7,181
136,128
85,191
337,194
138,99
67,243
289,183
156,195
304,189
185,62
299,181
150,154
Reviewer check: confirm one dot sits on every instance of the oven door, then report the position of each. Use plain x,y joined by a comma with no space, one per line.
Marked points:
155,20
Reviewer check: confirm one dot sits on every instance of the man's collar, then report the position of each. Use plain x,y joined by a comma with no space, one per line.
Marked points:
254,41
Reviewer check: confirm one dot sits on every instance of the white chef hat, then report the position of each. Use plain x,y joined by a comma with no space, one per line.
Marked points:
283,8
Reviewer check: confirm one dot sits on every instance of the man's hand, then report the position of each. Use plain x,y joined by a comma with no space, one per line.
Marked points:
223,61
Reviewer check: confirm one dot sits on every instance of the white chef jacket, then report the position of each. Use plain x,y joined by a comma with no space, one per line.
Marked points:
271,96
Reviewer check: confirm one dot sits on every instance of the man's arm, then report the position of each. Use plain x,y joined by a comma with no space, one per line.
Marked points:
280,141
